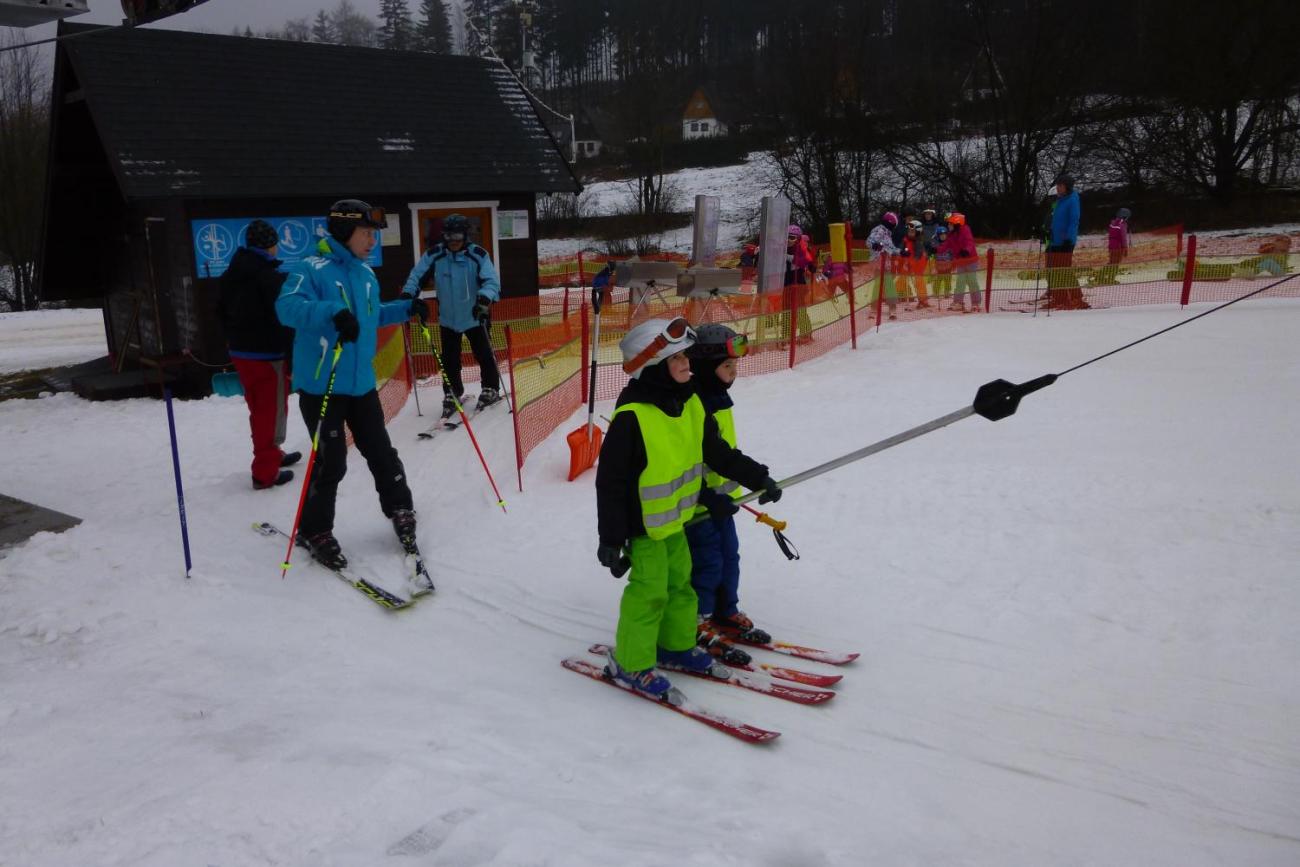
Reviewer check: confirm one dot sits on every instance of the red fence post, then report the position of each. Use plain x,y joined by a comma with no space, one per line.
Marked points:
853,314
586,348
564,315
582,278
792,305
988,282
519,454
1179,251
880,290
1188,270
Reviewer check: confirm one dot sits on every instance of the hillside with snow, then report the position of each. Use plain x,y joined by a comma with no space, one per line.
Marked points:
1077,629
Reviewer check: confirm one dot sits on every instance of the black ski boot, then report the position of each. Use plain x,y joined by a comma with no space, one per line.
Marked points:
325,550
486,398
404,525
719,648
448,407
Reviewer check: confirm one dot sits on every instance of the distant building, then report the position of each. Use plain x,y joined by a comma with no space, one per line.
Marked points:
165,144
699,120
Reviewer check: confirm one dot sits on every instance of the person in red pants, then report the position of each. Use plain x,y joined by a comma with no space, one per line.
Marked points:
257,343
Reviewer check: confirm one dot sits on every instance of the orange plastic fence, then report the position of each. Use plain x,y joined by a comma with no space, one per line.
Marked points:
542,343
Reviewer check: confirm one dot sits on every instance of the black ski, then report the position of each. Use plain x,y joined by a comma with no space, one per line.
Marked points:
372,591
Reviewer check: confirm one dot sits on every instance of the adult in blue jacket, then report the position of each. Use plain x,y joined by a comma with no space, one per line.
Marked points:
332,299
467,286
1062,285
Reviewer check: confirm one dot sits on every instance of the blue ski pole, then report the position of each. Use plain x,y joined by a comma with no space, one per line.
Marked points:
176,469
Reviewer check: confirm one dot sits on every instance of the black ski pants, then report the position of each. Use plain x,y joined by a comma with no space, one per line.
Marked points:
481,346
364,416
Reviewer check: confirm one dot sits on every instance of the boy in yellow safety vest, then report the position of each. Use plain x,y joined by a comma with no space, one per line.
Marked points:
652,467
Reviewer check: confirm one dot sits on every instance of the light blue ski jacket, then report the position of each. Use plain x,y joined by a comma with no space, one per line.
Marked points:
460,278
316,289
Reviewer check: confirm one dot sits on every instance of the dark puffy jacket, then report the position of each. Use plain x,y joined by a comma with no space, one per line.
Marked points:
249,288
623,458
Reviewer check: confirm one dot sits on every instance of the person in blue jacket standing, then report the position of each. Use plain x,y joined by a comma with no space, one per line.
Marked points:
1062,285
332,299
467,286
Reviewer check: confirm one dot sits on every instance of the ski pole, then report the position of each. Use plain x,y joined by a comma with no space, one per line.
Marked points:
487,335
315,447
465,420
994,401
176,470
782,542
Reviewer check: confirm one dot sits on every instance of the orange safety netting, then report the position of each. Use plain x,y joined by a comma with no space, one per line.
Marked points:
543,343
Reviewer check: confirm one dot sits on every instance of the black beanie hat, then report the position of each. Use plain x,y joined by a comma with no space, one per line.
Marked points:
261,235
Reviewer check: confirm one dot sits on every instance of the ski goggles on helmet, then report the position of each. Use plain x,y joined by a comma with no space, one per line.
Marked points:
372,217
453,236
736,346
676,331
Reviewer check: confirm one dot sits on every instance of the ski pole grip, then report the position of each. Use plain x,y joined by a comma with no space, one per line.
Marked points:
998,399
765,518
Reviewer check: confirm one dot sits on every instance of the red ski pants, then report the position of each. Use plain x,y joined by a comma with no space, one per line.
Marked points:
266,391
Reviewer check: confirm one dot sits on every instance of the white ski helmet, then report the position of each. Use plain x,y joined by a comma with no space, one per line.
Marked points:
653,341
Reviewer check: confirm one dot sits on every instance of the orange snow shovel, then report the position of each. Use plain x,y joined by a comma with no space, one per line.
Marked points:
584,443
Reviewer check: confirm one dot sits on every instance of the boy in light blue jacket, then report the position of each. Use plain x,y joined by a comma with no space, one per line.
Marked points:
332,299
467,286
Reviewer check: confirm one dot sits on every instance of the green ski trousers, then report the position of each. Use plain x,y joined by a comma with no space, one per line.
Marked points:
659,604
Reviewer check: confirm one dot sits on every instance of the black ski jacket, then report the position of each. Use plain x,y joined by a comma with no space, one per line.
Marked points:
249,288
623,458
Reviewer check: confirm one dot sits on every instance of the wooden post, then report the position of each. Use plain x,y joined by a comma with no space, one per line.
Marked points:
988,282
1189,269
519,455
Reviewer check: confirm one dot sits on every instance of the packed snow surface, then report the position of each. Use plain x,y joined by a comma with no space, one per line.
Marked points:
1077,628
48,338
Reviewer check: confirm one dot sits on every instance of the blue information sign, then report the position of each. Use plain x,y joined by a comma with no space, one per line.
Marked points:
215,241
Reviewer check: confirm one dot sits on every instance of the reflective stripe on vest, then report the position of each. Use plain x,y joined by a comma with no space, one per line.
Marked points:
669,486
726,427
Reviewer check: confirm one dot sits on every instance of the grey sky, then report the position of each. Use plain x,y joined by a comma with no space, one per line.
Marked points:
221,16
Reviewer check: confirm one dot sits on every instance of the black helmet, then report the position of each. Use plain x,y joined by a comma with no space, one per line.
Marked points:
1065,178
455,224
716,340
346,214
1123,213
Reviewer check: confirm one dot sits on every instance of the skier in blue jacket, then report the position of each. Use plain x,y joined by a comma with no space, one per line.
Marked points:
1062,285
332,299
467,286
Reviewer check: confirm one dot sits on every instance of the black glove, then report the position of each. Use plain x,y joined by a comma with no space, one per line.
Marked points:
347,326
609,555
418,308
482,308
720,506
771,493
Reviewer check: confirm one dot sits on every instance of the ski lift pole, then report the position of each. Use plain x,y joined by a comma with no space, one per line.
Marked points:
465,420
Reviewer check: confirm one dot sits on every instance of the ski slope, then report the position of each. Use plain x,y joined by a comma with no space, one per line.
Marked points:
1077,627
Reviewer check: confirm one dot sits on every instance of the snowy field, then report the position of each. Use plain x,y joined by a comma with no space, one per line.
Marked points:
47,338
1077,627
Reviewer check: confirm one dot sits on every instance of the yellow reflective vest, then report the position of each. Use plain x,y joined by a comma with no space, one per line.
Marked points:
727,428
669,486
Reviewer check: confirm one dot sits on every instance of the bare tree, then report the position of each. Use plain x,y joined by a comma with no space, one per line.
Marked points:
24,137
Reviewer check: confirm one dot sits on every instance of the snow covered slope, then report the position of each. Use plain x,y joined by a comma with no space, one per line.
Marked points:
1077,630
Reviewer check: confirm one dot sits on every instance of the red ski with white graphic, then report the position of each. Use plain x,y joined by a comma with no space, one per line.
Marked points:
677,701
812,653
721,673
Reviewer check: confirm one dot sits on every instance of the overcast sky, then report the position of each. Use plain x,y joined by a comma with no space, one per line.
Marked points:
220,16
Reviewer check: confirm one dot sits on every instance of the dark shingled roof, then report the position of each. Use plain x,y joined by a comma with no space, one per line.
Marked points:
192,114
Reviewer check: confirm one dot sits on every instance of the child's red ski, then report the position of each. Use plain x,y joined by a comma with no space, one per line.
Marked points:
677,701
794,675
790,649
722,673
